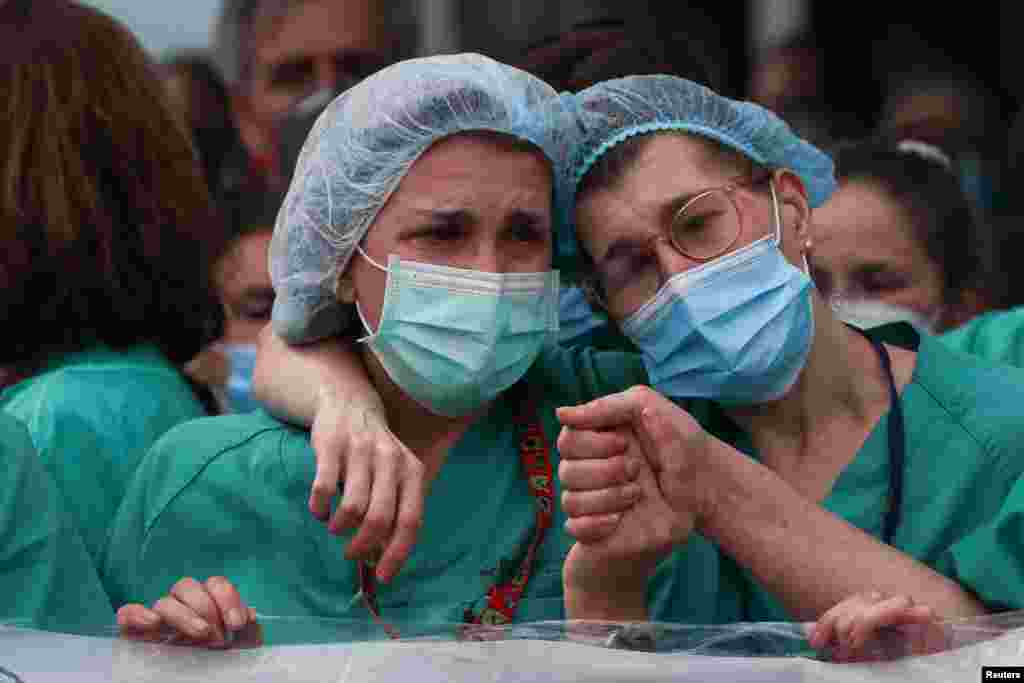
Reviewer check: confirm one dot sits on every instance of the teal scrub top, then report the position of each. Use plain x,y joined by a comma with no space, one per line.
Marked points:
963,501
996,336
92,416
47,579
228,496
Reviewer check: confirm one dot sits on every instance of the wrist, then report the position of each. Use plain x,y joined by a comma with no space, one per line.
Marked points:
332,395
620,605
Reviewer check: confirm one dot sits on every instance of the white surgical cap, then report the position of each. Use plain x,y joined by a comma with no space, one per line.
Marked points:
362,146
613,111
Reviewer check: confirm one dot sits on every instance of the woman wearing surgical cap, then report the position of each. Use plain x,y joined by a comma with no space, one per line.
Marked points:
419,226
47,579
899,238
823,462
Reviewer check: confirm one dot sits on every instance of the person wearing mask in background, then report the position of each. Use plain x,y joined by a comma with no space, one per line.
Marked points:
47,579
274,53
821,461
243,284
108,235
900,240
942,103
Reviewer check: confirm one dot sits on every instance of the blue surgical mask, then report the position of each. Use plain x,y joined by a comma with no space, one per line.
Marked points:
453,339
238,391
736,330
577,319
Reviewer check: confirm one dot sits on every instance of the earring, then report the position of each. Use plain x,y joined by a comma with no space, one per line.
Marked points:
345,290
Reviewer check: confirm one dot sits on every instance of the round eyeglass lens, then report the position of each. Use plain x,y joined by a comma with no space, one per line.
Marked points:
707,226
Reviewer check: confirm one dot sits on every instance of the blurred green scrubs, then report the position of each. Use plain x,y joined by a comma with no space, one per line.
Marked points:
47,579
92,416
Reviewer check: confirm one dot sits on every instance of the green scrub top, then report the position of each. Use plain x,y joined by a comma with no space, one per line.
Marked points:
92,416
963,499
228,496
996,336
47,579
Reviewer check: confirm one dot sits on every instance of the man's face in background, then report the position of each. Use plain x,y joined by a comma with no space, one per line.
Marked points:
319,44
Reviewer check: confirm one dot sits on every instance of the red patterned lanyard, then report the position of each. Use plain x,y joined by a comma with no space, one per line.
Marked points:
503,598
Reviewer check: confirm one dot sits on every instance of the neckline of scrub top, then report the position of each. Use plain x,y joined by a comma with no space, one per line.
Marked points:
495,426
718,423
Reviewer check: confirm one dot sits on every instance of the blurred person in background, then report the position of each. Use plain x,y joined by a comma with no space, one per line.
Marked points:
610,48
242,276
953,109
789,79
899,238
47,579
274,53
200,97
108,237
589,53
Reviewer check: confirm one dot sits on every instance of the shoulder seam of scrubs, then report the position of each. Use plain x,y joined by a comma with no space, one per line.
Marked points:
954,418
152,522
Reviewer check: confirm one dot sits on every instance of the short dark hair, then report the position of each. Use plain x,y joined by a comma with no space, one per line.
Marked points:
611,166
107,225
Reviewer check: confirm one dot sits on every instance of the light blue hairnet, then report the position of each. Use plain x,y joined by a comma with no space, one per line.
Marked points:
359,150
613,111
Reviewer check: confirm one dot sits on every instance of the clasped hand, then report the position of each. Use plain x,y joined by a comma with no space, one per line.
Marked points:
635,482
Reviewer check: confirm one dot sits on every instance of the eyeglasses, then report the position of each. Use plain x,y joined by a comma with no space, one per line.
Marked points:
707,226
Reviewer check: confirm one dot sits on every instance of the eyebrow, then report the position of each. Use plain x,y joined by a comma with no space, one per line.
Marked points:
445,215
621,244
666,212
872,267
465,215
532,217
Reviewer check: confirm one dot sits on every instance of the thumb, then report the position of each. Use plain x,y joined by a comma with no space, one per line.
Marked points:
657,436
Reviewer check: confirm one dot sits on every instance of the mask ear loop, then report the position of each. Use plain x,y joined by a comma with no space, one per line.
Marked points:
778,214
359,312
778,228
372,262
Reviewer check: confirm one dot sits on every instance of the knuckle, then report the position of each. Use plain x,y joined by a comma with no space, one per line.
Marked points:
220,584
322,488
376,524
414,468
184,584
351,508
390,453
164,605
570,503
409,523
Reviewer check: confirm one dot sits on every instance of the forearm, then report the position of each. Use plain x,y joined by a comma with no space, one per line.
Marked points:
294,381
811,559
